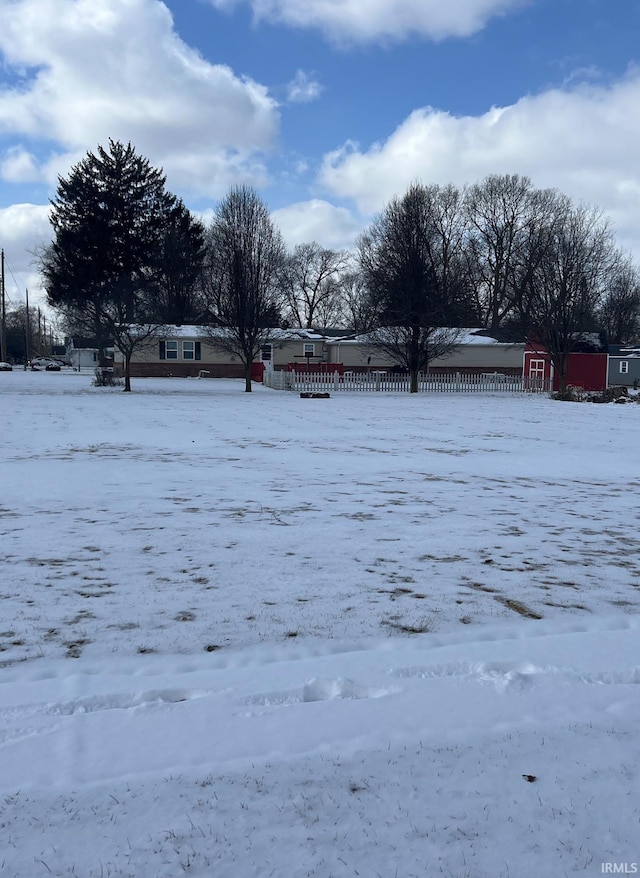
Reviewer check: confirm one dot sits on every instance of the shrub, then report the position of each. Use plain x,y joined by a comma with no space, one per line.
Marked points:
570,394
105,377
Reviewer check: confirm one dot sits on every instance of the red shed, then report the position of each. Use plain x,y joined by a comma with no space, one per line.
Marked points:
586,366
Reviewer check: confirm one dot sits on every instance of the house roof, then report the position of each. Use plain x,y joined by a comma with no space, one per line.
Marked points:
334,333
193,331
472,336
78,343
293,334
584,343
626,352
466,337
591,343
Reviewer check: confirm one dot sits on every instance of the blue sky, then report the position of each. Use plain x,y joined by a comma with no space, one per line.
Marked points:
327,108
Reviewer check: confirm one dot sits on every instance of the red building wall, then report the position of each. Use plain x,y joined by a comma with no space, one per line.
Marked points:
588,371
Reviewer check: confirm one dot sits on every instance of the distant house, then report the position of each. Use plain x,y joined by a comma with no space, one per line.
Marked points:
624,365
587,364
477,351
187,351
81,353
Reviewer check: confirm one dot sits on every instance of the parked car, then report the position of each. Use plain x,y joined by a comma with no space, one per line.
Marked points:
46,364
6,367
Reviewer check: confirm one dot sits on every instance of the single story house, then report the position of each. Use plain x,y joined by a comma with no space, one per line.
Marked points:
81,353
188,351
624,365
477,351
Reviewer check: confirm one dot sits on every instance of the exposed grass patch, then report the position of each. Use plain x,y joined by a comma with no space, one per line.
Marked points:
74,647
480,586
519,607
82,616
396,592
424,626
566,606
443,559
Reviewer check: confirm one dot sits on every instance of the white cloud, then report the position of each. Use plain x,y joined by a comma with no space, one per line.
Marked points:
23,229
583,141
87,70
363,21
22,225
19,166
303,88
317,220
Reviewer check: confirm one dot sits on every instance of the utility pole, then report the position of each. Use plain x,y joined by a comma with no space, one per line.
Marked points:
3,313
27,332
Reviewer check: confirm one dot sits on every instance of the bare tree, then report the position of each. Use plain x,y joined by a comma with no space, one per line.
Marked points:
619,315
566,279
498,211
107,320
22,326
245,253
413,269
357,313
310,282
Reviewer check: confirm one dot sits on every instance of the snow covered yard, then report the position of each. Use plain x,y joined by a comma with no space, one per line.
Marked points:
254,635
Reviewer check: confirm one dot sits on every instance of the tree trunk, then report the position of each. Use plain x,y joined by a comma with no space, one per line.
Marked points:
127,373
413,381
247,378
562,375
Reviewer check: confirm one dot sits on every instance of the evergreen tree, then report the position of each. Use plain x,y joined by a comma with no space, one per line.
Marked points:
178,298
109,218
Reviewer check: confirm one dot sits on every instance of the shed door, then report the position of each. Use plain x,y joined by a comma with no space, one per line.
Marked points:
536,369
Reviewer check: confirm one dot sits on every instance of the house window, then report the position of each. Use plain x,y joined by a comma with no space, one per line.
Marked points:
191,350
624,367
308,349
266,353
168,350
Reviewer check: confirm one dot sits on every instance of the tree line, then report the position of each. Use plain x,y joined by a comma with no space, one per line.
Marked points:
127,257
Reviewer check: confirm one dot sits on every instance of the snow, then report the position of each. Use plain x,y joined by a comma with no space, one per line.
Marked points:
193,331
256,635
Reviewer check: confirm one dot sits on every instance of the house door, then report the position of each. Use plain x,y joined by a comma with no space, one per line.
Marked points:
266,356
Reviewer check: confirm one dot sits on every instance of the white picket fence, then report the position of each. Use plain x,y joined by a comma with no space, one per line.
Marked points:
323,382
